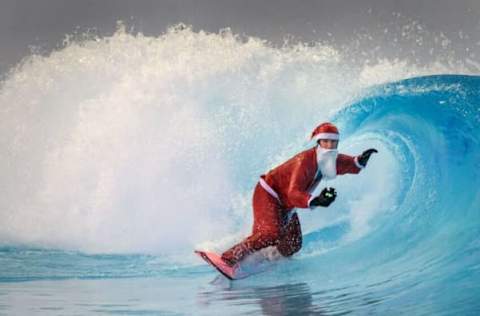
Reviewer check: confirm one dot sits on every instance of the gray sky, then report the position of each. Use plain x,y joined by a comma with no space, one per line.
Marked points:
44,23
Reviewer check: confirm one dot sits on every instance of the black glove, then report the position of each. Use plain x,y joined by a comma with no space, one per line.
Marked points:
326,197
363,158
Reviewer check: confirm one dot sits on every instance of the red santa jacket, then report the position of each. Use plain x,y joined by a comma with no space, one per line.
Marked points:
293,180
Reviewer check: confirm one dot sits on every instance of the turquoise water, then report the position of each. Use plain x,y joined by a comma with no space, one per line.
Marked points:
107,195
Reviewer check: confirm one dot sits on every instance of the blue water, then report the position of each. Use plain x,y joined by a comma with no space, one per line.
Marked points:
420,256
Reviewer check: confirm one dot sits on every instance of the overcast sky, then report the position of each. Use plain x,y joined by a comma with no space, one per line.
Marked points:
44,23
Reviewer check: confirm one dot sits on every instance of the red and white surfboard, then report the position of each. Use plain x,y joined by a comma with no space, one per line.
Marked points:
216,261
252,264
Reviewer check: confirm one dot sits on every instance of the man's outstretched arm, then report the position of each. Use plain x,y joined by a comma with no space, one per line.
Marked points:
349,164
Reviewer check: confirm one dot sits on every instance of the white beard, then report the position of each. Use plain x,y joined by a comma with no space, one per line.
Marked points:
327,162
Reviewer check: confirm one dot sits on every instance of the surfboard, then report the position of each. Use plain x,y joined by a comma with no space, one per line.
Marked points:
216,261
252,264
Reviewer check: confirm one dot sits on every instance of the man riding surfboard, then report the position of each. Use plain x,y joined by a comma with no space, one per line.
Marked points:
289,186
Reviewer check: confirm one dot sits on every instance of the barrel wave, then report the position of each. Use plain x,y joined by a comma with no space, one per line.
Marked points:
107,192
423,253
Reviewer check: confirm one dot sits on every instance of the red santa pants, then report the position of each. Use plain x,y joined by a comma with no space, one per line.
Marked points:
270,228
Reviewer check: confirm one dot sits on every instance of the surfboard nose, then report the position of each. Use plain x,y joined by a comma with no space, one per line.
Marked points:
216,261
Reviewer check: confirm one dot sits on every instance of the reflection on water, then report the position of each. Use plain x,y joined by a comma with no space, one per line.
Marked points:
290,299
286,299
301,298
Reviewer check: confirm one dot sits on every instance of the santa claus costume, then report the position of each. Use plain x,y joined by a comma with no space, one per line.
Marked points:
286,187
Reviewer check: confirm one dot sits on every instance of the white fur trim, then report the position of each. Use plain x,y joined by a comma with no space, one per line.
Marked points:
357,163
310,200
331,136
269,189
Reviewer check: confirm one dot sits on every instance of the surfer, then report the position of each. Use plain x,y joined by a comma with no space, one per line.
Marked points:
289,186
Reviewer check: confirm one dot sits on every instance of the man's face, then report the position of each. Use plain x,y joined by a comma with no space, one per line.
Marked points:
328,143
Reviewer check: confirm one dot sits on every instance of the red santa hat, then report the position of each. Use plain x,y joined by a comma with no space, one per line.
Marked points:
325,131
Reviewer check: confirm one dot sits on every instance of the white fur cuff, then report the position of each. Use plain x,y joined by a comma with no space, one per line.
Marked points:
357,163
